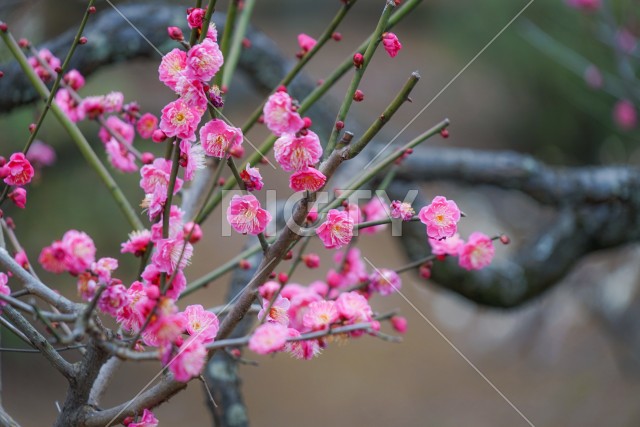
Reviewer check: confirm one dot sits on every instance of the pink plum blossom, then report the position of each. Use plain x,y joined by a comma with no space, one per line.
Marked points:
166,325
195,16
320,315
441,218
306,42
20,171
400,210
87,285
337,230
180,120
477,253
191,158
146,125
104,267
172,67
147,420
48,58
4,288
113,299
375,210
137,244
74,79
218,138
278,311
158,174
306,349
204,60
246,216
391,44
80,251
385,281
268,338
137,307
353,307
201,323
52,258
18,197
74,111
171,254
41,154
189,361
124,130
279,115
307,179
625,115
449,246
252,178
120,157
296,153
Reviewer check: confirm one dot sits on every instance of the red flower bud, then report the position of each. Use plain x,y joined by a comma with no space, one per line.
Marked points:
336,36
3,27
175,33
283,278
358,95
92,10
339,125
504,239
244,264
358,60
307,122
32,127
246,43
158,136
147,158
82,40
444,133
23,43
288,256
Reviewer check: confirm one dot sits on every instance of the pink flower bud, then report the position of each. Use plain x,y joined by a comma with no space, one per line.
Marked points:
158,136
391,44
19,197
195,231
358,60
175,33
399,323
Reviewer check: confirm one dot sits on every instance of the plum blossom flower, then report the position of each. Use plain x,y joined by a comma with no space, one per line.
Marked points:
307,349
252,178
400,210
309,179
375,210
337,230
385,281
80,251
147,420
172,67
189,361
74,79
201,323
52,258
87,285
391,44
278,311
166,326
137,243
47,57
279,115
218,138
124,130
180,120
158,174
18,169
69,105
477,253
296,153
268,338
441,218
353,307
146,125
172,254
195,16
191,158
306,42
449,246
18,197
204,60
113,299
625,115
120,157
320,315
104,267
139,304
41,154
585,5
246,216
4,288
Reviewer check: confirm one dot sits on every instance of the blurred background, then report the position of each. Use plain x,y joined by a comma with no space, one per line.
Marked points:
561,359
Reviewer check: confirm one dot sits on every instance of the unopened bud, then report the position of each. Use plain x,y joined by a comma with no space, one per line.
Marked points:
175,33
358,60
82,40
358,95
